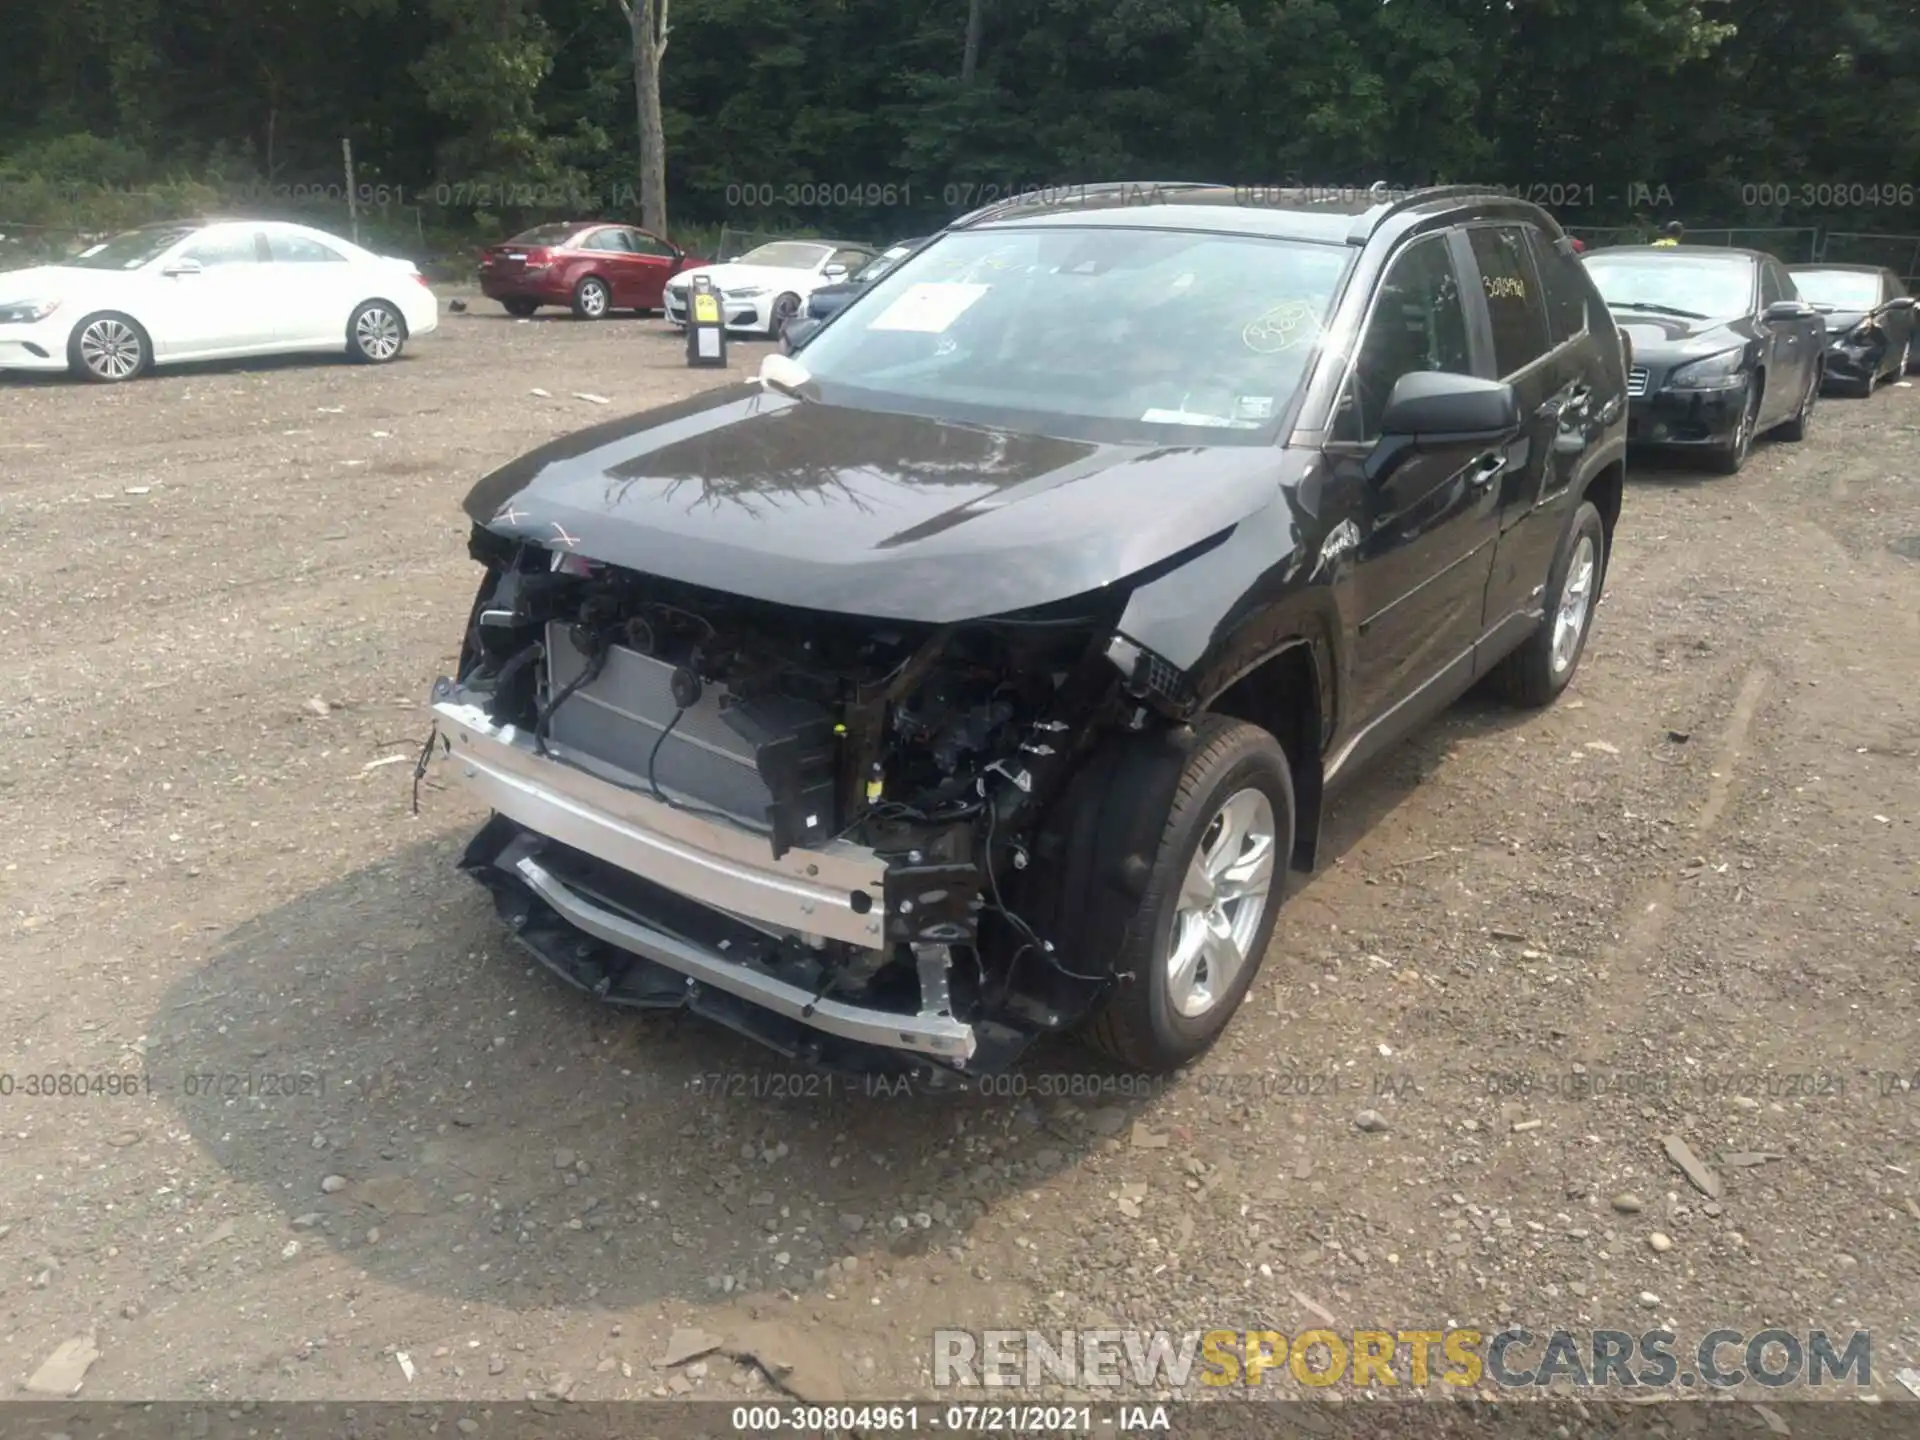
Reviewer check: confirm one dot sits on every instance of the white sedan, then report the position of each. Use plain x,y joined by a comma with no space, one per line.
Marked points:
195,291
768,286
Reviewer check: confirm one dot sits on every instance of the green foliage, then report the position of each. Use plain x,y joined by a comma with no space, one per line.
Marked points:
471,118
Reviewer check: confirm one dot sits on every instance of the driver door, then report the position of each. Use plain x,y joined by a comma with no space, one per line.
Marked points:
1792,346
1425,527
227,308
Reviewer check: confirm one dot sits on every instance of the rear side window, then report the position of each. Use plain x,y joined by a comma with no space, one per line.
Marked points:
1563,281
1506,276
299,250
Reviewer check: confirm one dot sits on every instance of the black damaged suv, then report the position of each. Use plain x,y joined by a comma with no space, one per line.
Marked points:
985,667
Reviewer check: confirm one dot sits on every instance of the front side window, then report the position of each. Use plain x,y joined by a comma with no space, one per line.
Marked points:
229,247
1418,324
1092,331
1685,286
1506,275
642,243
1773,285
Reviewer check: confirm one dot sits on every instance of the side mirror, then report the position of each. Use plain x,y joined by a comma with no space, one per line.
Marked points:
835,272
1441,405
182,267
798,331
1899,302
1788,310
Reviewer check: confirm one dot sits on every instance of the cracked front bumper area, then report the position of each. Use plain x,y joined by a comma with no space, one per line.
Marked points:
644,904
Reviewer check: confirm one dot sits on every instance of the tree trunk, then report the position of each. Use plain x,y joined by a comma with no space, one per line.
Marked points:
647,24
970,56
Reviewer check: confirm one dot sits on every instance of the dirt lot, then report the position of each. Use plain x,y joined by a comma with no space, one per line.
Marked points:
225,596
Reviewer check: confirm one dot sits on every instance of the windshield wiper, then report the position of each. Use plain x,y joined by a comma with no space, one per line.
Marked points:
1653,309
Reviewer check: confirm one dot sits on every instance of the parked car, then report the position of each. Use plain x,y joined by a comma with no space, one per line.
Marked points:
1091,574
767,286
207,290
831,299
1869,319
592,267
1724,348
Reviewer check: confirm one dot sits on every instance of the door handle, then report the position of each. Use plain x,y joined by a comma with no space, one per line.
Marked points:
1485,471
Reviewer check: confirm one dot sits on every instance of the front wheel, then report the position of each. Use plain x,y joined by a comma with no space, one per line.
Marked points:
1796,428
1729,459
109,348
1536,673
784,309
375,333
1211,895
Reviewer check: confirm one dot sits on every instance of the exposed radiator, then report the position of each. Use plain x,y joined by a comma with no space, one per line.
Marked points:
615,719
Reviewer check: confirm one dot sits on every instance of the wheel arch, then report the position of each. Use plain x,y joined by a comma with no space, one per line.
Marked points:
394,308
1284,693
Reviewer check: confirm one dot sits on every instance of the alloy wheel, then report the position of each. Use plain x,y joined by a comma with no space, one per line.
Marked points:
377,333
1223,898
1576,604
111,349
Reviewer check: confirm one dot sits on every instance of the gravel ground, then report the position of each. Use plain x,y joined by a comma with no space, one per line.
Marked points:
1693,886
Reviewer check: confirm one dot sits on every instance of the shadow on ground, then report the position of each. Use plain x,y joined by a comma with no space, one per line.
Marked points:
506,1140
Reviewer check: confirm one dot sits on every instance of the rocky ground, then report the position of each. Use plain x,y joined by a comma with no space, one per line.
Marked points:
364,1150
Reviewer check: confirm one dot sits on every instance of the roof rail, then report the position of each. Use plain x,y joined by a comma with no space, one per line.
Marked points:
1076,192
1393,204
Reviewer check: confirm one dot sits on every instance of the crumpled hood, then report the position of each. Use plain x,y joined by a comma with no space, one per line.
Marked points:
868,513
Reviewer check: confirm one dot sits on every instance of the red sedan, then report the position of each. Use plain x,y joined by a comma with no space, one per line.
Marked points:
592,267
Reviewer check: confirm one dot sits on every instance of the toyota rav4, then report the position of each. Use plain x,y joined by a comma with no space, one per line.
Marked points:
985,668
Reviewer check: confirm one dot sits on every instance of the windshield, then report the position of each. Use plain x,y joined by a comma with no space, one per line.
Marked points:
133,248
787,255
1841,289
1129,335
544,235
1706,287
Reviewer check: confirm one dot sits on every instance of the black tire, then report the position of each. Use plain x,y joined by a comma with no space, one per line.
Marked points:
1139,1024
592,299
784,309
1796,428
376,333
109,348
1534,675
520,309
1729,458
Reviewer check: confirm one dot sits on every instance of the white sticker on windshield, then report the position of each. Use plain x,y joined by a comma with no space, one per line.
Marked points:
1253,407
1192,417
928,308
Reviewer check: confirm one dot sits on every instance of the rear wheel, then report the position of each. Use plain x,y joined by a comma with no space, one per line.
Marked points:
375,333
520,308
1210,897
1536,673
109,348
592,299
